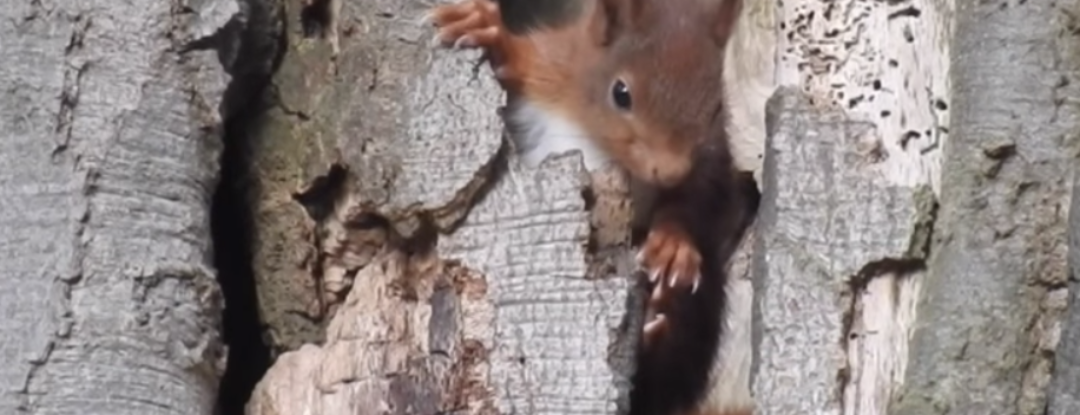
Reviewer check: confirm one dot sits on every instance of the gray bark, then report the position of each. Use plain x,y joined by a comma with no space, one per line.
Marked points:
1064,395
828,231
108,142
473,290
853,167
991,296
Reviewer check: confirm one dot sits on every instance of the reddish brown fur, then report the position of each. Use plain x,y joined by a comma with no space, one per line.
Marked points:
670,54
569,69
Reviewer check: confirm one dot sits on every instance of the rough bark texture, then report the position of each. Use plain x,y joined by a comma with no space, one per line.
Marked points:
850,179
504,322
381,179
827,230
883,63
109,142
994,292
1064,395
387,125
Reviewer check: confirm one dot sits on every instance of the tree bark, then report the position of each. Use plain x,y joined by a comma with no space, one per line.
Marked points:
1063,395
995,294
909,255
834,263
109,143
870,300
849,192
447,276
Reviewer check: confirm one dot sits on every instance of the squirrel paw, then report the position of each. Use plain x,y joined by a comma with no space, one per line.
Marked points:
468,23
655,321
669,256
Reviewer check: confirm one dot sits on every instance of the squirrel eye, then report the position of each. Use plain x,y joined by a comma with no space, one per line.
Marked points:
620,95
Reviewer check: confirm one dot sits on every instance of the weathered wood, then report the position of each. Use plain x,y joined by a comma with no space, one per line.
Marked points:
515,328
419,178
848,211
109,141
385,354
992,295
885,63
826,231
397,115
558,342
1063,395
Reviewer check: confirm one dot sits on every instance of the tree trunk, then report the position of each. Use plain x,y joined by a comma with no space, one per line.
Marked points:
995,292
848,204
374,231
871,299
109,143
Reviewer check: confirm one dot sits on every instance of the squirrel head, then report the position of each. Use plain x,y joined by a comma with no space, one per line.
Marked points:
653,93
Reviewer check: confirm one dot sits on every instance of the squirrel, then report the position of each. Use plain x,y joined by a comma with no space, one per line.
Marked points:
638,82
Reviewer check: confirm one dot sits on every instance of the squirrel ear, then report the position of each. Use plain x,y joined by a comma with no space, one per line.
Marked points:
610,17
725,14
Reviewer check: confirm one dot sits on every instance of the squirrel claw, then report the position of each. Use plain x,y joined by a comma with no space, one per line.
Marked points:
657,296
670,256
464,42
653,329
468,23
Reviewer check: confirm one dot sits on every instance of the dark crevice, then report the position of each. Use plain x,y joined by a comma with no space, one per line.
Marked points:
232,227
319,198
250,56
486,178
422,242
315,17
751,196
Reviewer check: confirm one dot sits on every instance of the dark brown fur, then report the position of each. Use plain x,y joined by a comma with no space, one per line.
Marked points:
716,208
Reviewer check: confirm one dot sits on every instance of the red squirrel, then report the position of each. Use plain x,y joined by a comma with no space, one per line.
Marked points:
639,82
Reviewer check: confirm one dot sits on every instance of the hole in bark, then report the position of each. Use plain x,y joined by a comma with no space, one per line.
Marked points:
232,222
232,227
592,245
315,17
319,198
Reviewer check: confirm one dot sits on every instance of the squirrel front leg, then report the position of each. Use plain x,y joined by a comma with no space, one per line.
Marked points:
672,260
468,23
669,253
478,24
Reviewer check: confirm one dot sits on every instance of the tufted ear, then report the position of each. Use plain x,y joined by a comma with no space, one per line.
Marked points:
725,14
610,18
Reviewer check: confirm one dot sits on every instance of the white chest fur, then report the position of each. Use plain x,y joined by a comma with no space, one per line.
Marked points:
538,133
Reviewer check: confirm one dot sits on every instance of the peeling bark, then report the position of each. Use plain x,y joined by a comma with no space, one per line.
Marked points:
387,167
849,201
468,326
837,255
